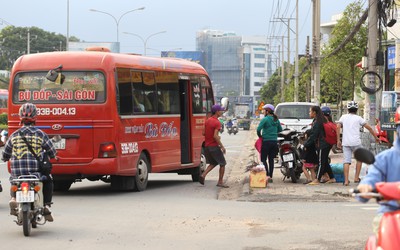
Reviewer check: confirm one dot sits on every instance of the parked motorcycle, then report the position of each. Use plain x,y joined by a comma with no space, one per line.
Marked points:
29,198
232,130
291,165
389,228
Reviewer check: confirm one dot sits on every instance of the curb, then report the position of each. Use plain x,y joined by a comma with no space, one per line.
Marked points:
280,190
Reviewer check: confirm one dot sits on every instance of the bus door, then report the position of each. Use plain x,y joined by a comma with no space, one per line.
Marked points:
185,136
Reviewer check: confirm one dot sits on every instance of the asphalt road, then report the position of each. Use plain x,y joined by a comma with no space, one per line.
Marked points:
175,213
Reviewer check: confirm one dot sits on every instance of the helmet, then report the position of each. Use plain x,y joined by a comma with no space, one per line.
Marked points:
352,105
326,110
397,116
28,112
269,106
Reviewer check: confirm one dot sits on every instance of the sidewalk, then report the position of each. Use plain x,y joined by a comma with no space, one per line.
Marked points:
281,190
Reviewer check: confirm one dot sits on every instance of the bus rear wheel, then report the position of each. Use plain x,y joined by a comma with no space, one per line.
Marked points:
142,173
122,183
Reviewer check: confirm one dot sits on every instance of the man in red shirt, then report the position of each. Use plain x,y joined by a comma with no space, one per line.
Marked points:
214,150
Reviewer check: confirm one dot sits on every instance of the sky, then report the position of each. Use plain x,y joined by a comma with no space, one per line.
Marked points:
180,19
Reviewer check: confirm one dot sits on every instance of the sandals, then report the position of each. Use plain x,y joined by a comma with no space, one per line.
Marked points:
201,180
307,182
331,181
357,181
222,186
344,184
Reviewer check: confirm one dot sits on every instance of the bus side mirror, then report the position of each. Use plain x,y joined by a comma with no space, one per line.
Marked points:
55,75
52,75
225,103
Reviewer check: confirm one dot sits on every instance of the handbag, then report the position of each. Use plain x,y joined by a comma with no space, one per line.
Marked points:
45,166
258,144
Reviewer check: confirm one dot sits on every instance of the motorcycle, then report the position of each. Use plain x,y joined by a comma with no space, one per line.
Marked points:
232,130
389,228
291,165
29,198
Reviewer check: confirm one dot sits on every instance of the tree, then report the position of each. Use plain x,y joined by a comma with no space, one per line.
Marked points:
339,73
15,43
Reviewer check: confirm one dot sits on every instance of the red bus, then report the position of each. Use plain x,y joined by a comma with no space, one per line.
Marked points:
120,116
3,101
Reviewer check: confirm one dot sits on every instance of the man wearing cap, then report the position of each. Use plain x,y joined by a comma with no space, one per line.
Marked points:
214,150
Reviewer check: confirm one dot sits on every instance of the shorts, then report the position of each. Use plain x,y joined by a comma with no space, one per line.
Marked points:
348,153
215,156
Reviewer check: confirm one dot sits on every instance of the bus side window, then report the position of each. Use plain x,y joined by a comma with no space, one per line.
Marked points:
125,99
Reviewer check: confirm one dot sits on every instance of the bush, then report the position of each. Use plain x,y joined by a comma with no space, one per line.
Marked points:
3,119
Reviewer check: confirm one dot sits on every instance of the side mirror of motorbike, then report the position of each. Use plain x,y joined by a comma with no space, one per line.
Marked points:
225,103
364,155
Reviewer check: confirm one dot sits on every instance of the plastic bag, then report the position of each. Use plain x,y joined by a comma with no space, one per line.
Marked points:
258,144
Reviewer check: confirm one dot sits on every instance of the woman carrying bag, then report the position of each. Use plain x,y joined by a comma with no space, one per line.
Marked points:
268,129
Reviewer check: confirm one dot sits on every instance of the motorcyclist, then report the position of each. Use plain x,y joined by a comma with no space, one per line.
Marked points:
22,160
229,124
385,169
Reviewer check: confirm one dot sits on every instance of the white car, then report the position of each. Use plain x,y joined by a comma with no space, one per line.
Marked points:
295,115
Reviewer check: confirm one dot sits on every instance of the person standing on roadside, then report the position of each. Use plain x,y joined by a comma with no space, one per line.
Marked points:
351,124
270,126
323,148
328,175
214,149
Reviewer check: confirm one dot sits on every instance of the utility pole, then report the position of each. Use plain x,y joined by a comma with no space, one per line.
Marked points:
308,87
281,49
283,73
316,50
370,100
284,20
296,60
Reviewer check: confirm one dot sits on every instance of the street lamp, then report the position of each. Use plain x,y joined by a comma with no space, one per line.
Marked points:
145,40
117,20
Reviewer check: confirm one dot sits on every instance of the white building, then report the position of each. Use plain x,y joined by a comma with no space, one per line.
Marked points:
5,73
257,67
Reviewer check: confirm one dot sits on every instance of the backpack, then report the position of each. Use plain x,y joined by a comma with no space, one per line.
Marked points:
330,133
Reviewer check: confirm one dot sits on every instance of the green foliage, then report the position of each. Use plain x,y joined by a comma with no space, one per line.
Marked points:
271,91
15,43
3,119
339,74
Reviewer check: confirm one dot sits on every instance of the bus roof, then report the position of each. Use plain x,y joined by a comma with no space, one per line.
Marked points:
95,60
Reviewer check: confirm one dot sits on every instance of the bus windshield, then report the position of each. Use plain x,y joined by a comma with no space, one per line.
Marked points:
83,87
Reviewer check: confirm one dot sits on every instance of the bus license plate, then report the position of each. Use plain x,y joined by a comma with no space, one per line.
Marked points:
25,196
60,144
287,157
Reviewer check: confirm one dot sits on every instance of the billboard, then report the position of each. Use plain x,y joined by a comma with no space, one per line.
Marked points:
194,56
390,102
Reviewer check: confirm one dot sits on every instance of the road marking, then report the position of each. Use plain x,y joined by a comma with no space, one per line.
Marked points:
364,206
361,205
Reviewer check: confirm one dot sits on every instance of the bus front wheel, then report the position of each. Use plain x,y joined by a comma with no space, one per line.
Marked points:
198,171
142,173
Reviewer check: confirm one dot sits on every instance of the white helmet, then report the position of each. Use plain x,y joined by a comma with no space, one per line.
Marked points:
352,105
